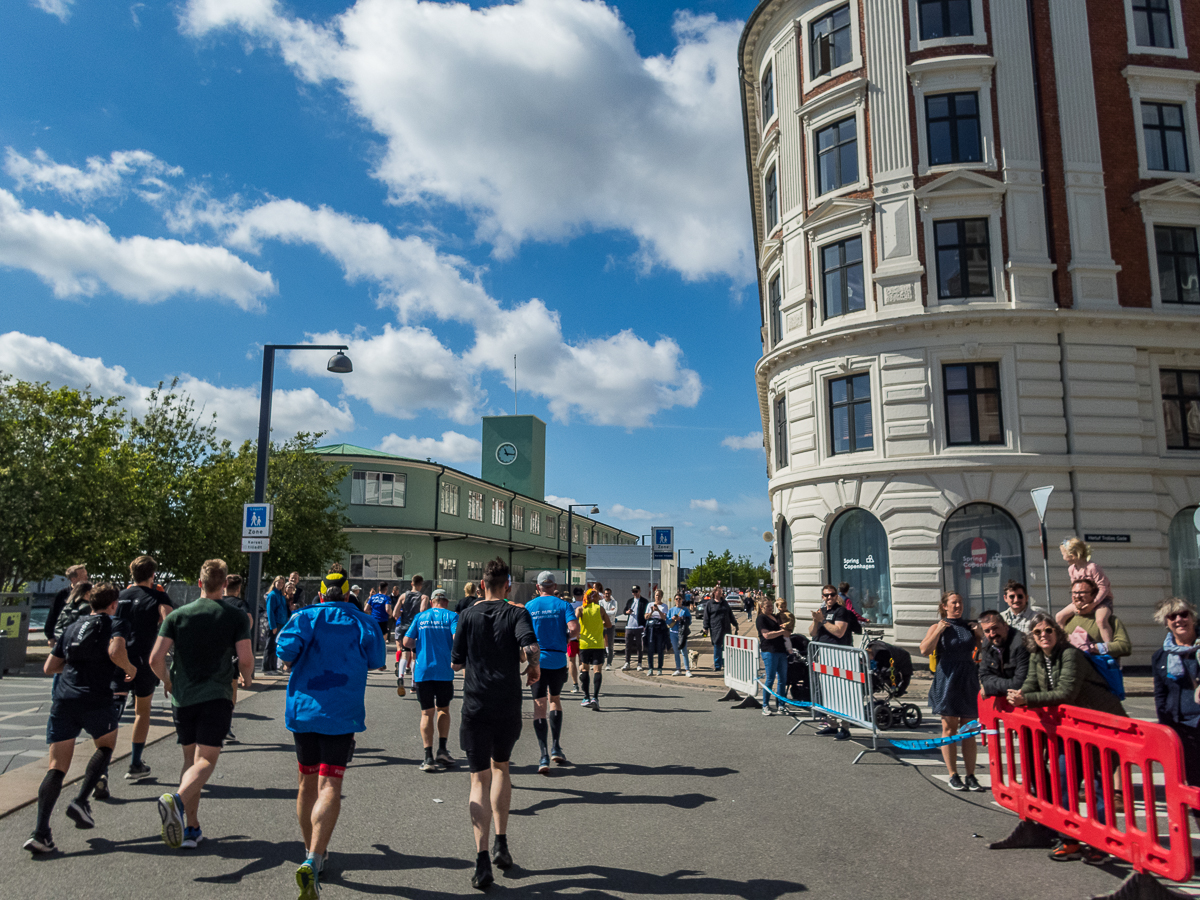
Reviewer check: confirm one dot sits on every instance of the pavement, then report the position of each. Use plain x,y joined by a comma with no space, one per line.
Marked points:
671,794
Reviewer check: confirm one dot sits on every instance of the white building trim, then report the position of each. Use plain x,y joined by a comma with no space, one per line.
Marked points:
978,25
1157,85
1178,35
1174,203
819,11
964,195
954,75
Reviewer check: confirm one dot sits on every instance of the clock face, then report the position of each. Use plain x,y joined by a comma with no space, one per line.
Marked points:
506,454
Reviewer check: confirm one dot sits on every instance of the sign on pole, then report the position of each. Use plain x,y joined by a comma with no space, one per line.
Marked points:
1041,497
256,544
257,519
664,543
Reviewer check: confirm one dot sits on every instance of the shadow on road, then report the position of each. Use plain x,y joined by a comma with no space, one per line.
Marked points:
607,798
672,770
596,883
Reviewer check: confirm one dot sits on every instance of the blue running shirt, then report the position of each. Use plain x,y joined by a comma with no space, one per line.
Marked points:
433,631
378,605
550,617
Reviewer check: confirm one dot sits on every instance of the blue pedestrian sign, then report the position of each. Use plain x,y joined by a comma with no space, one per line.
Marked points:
664,543
257,519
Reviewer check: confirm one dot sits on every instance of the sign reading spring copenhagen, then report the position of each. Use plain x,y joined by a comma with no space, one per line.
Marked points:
1106,538
257,519
664,543
856,563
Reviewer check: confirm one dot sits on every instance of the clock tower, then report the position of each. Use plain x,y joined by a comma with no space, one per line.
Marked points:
514,454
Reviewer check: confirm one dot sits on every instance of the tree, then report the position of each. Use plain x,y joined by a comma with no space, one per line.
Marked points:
740,572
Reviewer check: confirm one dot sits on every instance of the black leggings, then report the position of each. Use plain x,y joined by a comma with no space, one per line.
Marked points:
657,639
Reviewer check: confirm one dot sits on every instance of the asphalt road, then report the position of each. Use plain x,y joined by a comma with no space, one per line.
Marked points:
671,795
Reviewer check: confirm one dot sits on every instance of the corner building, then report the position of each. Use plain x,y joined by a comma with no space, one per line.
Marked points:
975,226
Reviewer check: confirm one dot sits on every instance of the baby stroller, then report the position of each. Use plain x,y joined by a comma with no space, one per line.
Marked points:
797,670
891,671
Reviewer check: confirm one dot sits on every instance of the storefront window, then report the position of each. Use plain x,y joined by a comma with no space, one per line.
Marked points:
858,554
981,550
783,565
1185,556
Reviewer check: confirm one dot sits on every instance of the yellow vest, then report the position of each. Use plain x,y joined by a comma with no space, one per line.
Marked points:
591,627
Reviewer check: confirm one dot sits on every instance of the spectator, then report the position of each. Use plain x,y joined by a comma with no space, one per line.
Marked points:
1082,629
847,601
297,601
277,617
771,634
1019,613
1078,555
289,594
1061,674
679,617
955,692
787,621
635,624
718,622
657,634
75,574
469,597
609,604
1003,661
1176,676
832,624
356,597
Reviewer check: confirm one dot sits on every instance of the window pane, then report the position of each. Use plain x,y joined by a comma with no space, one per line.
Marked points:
1189,280
372,488
398,491
937,107
1162,30
837,390
356,566
1193,424
385,488
949,275
856,296
860,387
1150,114
958,414
979,276
976,231
1173,423
1141,29
849,154
826,138
987,376
1172,116
960,18
947,233
956,378
1166,278
931,20
358,488
862,427
965,104
1162,239
1167,383
841,46
833,294
1176,152
1191,383
989,419
940,150
827,174
841,430
968,141
853,249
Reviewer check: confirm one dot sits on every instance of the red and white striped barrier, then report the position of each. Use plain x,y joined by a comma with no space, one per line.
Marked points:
741,663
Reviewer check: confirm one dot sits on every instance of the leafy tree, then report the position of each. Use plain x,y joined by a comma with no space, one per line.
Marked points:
740,572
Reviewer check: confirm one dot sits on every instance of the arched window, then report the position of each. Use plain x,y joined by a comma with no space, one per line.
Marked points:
981,550
783,565
858,555
1185,555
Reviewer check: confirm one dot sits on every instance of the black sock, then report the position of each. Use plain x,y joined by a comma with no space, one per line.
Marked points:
47,797
540,729
585,683
441,744
556,724
599,676
96,767
428,754
136,758
482,861
501,841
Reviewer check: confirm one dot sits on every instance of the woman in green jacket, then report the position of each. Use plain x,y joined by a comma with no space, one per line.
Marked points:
1059,673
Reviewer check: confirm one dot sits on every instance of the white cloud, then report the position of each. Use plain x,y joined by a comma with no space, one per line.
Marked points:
561,502
722,530
81,257
708,505
751,441
34,358
539,117
100,179
625,514
60,9
452,447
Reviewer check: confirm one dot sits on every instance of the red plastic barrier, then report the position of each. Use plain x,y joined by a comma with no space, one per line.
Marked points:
1109,748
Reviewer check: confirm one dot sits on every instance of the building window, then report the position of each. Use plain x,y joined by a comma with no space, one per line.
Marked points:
535,522
448,569
842,277
574,533
945,18
775,299
377,489
474,570
964,260
1178,264
551,528
518,518
973,404
850,414
1152,23
449,499
376,567
475,506
771,199
1184,556
1181,408
858,554
952,123
768,94
830,41
837,155
781,431
498,511
1166,141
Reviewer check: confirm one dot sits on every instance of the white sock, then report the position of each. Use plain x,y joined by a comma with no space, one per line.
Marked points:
402,668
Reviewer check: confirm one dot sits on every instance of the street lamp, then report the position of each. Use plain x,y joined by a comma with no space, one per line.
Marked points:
571,533
679,562
339,364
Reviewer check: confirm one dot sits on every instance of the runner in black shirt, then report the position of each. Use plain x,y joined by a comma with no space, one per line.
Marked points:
494,637
85,658
76,574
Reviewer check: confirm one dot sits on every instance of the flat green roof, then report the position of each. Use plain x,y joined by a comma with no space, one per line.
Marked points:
355,450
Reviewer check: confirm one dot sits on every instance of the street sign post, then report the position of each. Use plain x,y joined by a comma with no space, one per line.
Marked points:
1041,497
664,543
257,519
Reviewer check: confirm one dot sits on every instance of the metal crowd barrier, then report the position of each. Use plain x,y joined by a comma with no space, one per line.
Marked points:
1022,743
741,665
840,681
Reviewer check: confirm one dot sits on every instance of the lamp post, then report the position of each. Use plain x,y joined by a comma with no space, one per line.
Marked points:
571,533
338,363
679,559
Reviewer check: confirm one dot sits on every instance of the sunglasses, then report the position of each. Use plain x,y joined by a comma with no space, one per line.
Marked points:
1183,614
1042,631
829,595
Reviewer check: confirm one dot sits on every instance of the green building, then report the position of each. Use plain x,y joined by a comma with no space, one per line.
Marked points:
410,516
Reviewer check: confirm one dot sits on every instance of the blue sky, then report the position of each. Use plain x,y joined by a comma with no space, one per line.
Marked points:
439,186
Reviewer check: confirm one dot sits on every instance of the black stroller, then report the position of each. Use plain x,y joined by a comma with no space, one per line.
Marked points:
891,671
797,670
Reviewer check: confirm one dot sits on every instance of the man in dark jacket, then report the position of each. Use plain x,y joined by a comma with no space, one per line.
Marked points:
718,622
1003,661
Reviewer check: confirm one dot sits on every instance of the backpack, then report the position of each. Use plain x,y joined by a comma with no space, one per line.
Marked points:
1110,669
70,615
89,639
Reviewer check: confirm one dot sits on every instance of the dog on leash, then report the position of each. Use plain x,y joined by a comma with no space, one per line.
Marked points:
694,658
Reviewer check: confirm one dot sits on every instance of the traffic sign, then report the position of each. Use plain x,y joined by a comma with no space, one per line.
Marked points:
1041,497
664,542
256,544
257,519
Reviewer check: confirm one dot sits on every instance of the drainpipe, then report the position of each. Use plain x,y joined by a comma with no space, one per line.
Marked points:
437,509
1066,386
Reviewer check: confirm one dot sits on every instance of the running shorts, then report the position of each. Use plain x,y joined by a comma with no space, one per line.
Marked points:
434,693
144,683
485,742
551,683
68,718
593,656
573,649
204,723
327,754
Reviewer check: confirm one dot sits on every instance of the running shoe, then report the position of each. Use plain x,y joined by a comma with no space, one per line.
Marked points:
137,771
956,784
170,810
39,843
608,668
596,704
192,838
650,674
80,812
676,673
429,765
623,668
767,711
500,856
400,691
558,756
843,735
1093,856
827,729
585,702
639,668
973,785
483,878
1066,851
231,738
544,765
101,791
444,759
688,673
308,880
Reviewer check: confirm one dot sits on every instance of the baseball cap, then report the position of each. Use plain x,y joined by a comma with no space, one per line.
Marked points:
355,587
545,577
439,594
